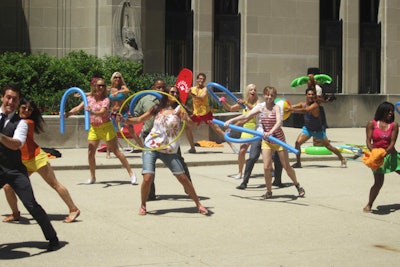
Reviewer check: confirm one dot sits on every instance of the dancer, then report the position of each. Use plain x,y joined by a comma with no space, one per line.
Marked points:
168,117
118,93
382,132
145,104
271,119
36,160
313,126
250,99
13,132
202,112
101,128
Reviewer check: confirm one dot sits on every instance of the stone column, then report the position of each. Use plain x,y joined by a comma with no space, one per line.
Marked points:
349,13
203,37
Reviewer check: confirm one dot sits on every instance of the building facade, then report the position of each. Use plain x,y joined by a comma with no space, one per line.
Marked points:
235,42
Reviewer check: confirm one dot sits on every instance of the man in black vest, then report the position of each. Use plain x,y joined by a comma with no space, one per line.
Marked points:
13,133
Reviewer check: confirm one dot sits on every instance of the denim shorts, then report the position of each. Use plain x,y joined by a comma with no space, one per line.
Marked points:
317,135
150,157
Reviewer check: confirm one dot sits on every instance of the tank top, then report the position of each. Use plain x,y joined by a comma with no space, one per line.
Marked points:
381,138
312,123
268,121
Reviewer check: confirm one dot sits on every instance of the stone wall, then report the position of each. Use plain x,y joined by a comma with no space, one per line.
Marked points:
348,111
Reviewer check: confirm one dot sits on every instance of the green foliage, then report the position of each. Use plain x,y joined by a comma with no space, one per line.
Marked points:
45,79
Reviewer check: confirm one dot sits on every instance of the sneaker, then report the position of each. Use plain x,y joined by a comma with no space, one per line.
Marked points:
133,179
237,176
300,190
90,181
343,164
192,151
234,149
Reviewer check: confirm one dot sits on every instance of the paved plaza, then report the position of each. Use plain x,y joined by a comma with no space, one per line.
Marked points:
325,228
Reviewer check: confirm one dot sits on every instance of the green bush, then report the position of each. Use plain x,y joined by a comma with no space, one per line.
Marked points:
45,79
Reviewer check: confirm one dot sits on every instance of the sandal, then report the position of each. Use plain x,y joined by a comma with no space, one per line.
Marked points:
301,190
142,210
72,216
266,195
203,210
13,217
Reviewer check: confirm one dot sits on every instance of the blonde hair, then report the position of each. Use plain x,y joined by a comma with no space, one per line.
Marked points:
246,93
112,79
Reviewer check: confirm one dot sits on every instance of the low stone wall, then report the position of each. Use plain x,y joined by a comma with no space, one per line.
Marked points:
347,111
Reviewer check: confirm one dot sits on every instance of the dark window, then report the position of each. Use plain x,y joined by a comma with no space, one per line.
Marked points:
178,36
330,44
370,47
227,44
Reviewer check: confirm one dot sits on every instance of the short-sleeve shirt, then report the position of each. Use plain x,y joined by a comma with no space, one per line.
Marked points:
97,120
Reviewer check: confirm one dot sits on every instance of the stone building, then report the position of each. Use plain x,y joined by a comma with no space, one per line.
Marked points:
235,42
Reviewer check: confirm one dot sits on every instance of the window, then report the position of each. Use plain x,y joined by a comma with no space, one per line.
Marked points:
330,44
178,36
227,44
370,47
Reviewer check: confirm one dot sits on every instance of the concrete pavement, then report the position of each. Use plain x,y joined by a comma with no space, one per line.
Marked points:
326,228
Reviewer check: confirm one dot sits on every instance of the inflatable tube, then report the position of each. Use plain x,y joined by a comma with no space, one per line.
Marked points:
138,95
240,140
62,108
225,90
317,150
257,133
158,95
396,107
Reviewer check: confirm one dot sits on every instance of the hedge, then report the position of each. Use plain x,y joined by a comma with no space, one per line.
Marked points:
45,78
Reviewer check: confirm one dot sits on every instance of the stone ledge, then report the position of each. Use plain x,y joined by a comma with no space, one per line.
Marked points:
75,135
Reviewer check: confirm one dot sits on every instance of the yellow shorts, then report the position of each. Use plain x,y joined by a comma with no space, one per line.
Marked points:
38,162
273,146
104,132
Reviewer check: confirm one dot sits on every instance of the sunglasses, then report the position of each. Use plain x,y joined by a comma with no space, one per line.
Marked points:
101,85
26,108
117,77
173,92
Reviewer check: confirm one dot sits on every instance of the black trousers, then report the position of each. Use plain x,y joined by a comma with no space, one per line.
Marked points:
20,183
255,151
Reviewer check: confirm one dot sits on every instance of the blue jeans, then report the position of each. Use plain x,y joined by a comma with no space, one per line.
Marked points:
172,161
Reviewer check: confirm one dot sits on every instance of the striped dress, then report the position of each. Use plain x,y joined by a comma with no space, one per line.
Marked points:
268,120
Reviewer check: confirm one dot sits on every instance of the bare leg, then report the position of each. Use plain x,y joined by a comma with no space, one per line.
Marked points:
113,145
49,176
12,202
190,138
374,191
326,143
221,133
92,159
189,189
145,190
242,157
267,159
301,139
